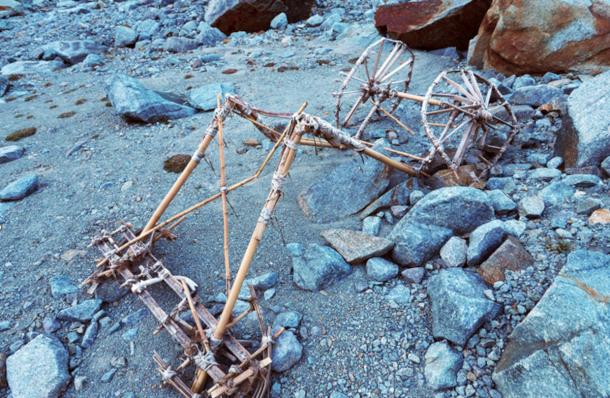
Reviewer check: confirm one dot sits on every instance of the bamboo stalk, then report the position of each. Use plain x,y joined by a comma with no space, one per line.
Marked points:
225,207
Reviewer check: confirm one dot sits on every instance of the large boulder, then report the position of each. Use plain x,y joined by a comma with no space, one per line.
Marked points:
71,51
519,37
39,369
315,267
561,348
432,24
134,102
460,209
346,190
585,137
253,15
459,304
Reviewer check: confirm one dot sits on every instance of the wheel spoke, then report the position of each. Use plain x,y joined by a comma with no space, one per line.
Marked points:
398,69
458,128
352,110
378,58
459,88
366,120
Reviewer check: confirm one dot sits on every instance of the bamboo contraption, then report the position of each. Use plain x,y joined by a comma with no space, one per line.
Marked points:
462,113
220,364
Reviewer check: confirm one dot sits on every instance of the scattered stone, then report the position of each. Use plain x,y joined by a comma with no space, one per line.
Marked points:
253,15
176,163
584,139
544,174
20,188
459,304
20,134
279,22
557,194
324,201
413,275
536,95
316,267
125,36
399,195
10,153
600,216
355,246
39,369
90,335
442,365
432,24
110,291
4,85
400,294
380,269
453,253
50,324
519,37
484,240
108,375
586,205
204,98
606,166
71,52
260,283
31,68
61,286
563,342
583,180
371,225
134,102
288,320
83,311
511,255
531,206
135,317
175,44
501,202
555,162
417,243
460,209
287,351
314,20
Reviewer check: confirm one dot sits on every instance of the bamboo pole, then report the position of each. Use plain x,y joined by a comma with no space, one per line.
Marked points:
288,156
225,207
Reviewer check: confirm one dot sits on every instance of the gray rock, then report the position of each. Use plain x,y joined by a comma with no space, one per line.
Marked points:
93,61
259,283
110,291
90,335
287,351
555,162
400,294
39,369
399,195
544,174
583,180
179,44
147,28
315,20
209,36
135,102
280,21
453,253
587,205
501,202
413,275
31,67
356,246
371,225
204,98
459,304
125,36
20,188
561,348
11,152
83,311
584,139
535,95
531,206
61,285
287,319
524,81
359,180
417,243
442,365
316,267
505,184
134,318
606,166
380,269
71,51
556,194
484,240
460,209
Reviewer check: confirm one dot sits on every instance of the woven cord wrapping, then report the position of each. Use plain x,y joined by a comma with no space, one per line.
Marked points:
321,128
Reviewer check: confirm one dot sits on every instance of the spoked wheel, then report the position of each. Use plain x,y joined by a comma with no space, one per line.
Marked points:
383,68
467,121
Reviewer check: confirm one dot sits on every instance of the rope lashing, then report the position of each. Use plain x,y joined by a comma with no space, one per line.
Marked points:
168,374
205,361
277,182
139,287
265,216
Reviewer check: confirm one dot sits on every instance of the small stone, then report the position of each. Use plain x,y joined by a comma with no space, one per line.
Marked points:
5,325
130,334
606,166
10,153
544,174
413,358
20,188
515,228
279,22
356,246
587,205
501,202
555,162
287,351
601,216
79,383
371,225
535,95
287,319
453,253
531,207
511,255
204,98
417,243
314,20
415,196
316,267
125,36
82,312
442,365
61,286
107,377
413,275
380,269
400,294
484,240
583,180
90,335
50,324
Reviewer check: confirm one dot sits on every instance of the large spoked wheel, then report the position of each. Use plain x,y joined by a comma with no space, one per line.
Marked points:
467,121
383,68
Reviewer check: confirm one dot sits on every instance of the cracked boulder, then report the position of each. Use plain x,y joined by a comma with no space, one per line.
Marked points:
432,24
518,37
561,348
253,15
71,51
